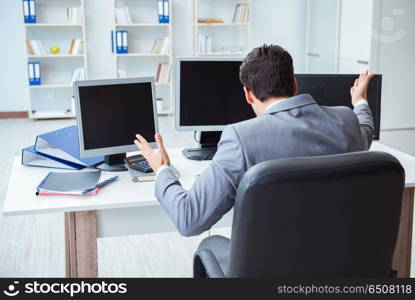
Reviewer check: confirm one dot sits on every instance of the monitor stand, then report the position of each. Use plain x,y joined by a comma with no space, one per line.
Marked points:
208,146
113,163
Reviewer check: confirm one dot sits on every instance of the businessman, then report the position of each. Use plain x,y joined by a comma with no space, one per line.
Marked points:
287,125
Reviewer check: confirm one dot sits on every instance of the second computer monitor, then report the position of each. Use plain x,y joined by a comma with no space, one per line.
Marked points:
209,95
334,90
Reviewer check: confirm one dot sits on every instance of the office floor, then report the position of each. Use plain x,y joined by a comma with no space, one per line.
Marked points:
32,246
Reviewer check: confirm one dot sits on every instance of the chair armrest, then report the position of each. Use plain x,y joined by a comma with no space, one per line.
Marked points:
209,262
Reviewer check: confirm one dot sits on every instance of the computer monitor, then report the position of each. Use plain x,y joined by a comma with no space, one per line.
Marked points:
334,90
209,96
109,115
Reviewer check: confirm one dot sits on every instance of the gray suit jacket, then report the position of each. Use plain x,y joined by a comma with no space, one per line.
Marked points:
290,128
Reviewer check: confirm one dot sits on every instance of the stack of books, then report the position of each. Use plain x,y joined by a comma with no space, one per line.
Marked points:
74,15
76,47
123,15
122,73
35,47
161,46
163,74
232,49
204,44
58,149
78,74
241,14
210,21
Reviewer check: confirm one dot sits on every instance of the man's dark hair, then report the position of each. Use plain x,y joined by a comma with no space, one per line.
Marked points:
268,72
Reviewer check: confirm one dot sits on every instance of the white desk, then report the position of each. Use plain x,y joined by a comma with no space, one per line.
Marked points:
125,208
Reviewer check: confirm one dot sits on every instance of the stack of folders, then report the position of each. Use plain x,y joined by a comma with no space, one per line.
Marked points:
34,72
78,74
75,47
29,11
164,15
161,46
58,149
163,73
74,15
119,41
85,183
123,15
241,14
35,47
204,44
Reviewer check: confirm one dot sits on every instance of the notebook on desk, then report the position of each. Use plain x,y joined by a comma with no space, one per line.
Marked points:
73,183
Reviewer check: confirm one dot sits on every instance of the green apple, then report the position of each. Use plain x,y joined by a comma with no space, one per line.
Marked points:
54,49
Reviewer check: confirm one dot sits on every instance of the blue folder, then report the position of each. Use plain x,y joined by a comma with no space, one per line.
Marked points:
161,11
32,11
26,11
32,158
64,144
166,13
118,42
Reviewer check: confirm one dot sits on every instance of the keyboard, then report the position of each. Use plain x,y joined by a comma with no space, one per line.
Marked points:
142,166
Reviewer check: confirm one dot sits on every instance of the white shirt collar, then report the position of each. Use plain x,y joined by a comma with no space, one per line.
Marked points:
275,102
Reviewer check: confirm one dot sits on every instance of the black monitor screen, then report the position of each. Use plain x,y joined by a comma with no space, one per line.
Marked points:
334,90
113,114
211,94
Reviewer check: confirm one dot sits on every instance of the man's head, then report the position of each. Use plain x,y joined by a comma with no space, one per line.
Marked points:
267,74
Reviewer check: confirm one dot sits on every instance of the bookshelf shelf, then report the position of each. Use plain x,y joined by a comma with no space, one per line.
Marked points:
58,23
51,86
234,36
57,56
140,20
142,55
143,25
52,115
52,25
221,24
220,54
165,112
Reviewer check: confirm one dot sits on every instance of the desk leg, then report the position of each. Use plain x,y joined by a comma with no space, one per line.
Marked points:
81,244
402,258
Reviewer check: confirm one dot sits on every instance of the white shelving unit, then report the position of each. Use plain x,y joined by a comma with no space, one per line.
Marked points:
142,33
224,35
53,98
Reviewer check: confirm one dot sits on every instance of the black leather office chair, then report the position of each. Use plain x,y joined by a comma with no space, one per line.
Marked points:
326,216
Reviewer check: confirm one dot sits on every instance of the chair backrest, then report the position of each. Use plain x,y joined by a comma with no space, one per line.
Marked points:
323,216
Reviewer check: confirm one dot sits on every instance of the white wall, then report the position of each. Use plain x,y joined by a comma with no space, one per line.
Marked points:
99,16
13,93
274,21
284,23
394,57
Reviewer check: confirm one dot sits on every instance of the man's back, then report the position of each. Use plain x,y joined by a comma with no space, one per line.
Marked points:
298,127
